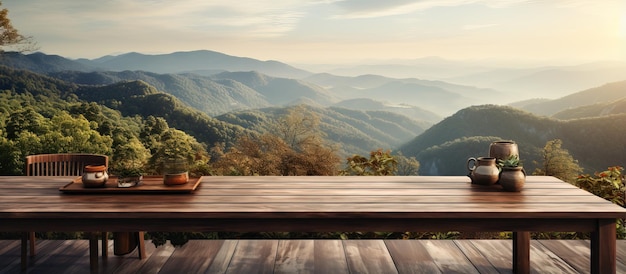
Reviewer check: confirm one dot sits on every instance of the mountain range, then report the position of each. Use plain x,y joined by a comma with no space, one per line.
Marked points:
361,113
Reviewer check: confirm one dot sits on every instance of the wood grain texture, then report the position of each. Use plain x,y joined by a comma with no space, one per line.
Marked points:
411,257
573,252
368,256
76,261
316,204
254,256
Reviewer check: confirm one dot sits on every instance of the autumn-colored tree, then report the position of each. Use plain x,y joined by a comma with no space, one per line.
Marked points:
558,162
407,166
295,147
9,36
380,163
610,185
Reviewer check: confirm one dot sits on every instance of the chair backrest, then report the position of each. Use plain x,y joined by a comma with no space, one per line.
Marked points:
64,164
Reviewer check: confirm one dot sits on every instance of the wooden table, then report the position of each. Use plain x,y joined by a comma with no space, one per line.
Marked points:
318,204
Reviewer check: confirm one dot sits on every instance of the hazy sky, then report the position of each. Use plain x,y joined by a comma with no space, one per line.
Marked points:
330,31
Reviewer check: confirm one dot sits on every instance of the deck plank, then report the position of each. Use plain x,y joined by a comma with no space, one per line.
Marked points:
223,257
330,257
311,256
498,253
368,256
448,257
573,252
545,261
254,256
476,257
411,256
295,256
193,257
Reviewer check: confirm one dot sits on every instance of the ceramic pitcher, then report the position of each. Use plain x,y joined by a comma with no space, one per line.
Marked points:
483,170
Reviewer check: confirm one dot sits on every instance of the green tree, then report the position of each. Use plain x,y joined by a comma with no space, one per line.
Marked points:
558,162
11,161
174,143
9,36
130,158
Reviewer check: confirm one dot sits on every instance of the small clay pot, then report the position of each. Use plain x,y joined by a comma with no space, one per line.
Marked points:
95,176
512,178
176,179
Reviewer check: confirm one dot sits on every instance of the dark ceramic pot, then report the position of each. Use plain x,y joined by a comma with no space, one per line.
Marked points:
512,178
502,150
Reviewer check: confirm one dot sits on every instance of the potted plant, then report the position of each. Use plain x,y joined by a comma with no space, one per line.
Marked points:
512,174
174,156
129,163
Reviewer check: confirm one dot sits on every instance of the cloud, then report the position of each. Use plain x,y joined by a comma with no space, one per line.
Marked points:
253,18
481,26
375,8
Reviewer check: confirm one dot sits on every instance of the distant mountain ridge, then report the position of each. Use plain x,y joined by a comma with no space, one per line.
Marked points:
437,97
42,63
603,94
189,61
595,110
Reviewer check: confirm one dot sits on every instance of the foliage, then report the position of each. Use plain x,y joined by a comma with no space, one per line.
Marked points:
610,185
9,36
512,161
178,238
407,166
380,163
129,159
175,144
558,162
297,148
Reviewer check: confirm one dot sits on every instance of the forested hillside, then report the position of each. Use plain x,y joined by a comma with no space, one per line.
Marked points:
212,97
599,109
249,103
603,94
444,148
354,131
40,114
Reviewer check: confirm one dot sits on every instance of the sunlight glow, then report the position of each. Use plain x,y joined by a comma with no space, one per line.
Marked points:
622,29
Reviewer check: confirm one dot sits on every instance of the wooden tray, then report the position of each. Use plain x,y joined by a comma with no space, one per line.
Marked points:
150,184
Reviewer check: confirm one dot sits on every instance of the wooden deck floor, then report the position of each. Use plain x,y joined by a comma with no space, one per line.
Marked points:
311,256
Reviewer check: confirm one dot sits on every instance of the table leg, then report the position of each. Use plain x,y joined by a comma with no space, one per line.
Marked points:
93,250
141,248
24,250
521,252
105,244
604,247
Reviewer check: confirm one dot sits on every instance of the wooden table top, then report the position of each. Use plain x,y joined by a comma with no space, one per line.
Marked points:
311,196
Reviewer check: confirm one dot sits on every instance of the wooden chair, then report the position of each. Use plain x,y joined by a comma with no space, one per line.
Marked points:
68,164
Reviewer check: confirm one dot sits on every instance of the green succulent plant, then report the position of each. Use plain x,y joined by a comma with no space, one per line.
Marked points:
512,161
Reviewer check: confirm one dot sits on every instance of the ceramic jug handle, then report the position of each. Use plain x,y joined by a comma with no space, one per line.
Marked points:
468,164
